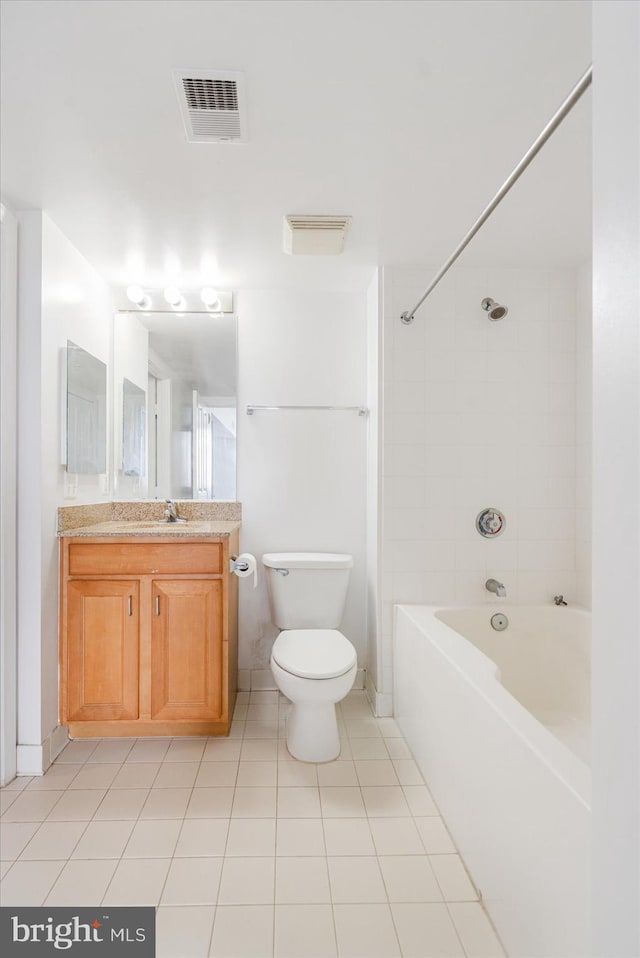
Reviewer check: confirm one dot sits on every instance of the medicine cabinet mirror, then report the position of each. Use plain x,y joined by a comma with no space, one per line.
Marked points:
86,451
178,372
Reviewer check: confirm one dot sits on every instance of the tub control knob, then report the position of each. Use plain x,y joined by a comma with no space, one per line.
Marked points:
490,522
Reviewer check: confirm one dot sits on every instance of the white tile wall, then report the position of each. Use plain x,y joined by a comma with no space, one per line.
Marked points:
478,413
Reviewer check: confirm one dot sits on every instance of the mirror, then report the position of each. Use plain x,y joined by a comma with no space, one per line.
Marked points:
86,412
187,364
134,429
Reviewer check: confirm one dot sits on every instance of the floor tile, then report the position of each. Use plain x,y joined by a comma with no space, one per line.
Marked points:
257,773
137,881
453,879
259,750
337,773
114,752
247,881
216,774
257,802
304,931
78,805
210,803
356,879
148,750
28,883
202,836
222,750
183,932
426,931
4,867
32,806
388,728
419,800
7,799
339,802
82,883
136,775
190,750
261,729
365,931
408,772
103,840
409,878
95,776
300,836
262,711
348,836
292,774
302,802
76,752
242,931
302,880
397,748
53,840
176,775
192,881
166,803
475,930
121,804
368,748
56,776
435,837
376,772
14,836
385,801
251,836
396,836
153,839
362,728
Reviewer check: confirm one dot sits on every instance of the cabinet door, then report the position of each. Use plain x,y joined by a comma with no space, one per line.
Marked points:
102,650
186,649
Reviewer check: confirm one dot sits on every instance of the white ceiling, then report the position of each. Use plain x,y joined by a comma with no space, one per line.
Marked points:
405,114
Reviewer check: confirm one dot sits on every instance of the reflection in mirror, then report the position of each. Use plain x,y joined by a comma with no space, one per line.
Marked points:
190,362
134,429
86,412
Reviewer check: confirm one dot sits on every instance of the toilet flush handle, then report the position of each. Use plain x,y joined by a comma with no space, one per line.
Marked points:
282,571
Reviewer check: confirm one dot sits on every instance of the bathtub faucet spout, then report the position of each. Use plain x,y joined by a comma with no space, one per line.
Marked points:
492,585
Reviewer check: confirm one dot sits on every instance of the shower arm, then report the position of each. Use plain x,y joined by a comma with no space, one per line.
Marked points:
565,107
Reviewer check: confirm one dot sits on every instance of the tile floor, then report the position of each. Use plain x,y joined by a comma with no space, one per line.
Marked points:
246,852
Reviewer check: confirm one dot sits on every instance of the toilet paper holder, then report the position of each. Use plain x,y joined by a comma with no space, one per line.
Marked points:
238,565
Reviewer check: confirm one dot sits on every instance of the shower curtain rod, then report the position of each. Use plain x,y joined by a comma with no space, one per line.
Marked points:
583,83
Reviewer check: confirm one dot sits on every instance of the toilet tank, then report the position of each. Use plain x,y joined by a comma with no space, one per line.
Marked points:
307,590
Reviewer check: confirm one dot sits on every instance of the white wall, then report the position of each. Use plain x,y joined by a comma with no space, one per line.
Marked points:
301,474
584,427
616,480
8,491
374,377
476,414
60,297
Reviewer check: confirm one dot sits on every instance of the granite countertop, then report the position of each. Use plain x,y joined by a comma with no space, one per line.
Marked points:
142,518
152,527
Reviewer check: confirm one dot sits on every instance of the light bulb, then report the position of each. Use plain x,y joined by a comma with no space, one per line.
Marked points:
136,294
173,295
210,298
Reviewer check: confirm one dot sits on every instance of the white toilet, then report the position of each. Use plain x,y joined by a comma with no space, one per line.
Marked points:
312,663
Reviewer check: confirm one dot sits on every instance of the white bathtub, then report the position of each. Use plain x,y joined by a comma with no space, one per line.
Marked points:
499,725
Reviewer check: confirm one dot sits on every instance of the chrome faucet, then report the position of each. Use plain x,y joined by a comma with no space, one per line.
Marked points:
492,585
171,512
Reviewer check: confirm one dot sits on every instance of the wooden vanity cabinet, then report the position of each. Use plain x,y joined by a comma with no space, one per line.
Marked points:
148,635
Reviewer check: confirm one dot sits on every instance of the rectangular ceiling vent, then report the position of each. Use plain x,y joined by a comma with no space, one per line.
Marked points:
315,235
212,105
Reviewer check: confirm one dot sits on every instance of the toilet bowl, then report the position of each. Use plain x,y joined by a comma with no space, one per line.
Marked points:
312,663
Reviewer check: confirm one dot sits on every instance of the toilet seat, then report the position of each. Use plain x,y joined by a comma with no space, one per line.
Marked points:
314,653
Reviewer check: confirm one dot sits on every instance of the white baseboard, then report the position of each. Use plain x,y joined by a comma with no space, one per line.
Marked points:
381,702
36,759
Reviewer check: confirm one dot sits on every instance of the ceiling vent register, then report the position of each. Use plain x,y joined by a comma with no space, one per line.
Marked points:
315,235
212,105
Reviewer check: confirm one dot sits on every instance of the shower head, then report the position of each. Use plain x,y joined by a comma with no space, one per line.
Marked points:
495,310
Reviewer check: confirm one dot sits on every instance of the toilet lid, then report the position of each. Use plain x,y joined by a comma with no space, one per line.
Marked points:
314,653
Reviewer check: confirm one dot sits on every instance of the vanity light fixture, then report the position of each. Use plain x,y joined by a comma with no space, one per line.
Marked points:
138,296
210,298
173,296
